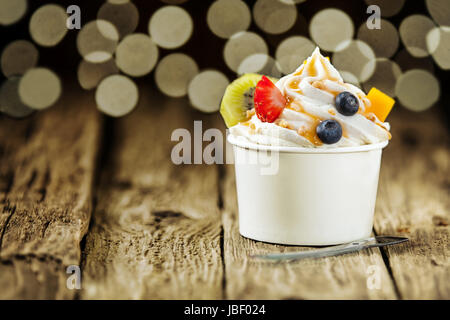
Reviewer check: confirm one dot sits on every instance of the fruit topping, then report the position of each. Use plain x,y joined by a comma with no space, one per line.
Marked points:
381,104
269,101
329,131
346,103
238,99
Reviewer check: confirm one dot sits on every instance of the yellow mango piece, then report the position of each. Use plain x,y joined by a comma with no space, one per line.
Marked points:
381,104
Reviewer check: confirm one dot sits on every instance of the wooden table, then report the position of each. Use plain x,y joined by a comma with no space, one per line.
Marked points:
77,188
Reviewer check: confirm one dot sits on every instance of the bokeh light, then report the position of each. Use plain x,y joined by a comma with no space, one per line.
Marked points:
439,11
206,89
227,17
48,25
385,77
331,28
274,17
118,1
116,95
10,102
356,58
12,11
170,27
388,8
174,73
260,63
97,41
240,46
17,57
417,89
383,41
136,55
39,88
413,32
292,52
438,43
124,16
90,74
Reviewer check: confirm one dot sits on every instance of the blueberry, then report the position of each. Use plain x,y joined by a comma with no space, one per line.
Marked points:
346,103
329,131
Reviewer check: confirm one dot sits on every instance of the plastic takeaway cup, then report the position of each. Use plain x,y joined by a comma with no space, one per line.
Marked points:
306,196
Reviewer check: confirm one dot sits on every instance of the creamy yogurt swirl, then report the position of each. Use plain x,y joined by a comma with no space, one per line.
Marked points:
310,92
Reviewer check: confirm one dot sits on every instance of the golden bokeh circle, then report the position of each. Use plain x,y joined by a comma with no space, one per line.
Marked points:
118,1
274,17
439,11
292,1
10,102
292,51
125,16
384,41
12,11
17,57
90,74
385,77
97,41
116,95
330,28
240,46
260,63
227,17
174,73
170,27
417,89
357,58
39,88
48,25
206,89
388,8
440,46
413,32
136,55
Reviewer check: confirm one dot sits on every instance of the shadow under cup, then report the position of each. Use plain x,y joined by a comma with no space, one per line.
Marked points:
306,196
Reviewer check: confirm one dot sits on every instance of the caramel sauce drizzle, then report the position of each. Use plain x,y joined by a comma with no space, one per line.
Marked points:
320,85
307,131
294,84
311,68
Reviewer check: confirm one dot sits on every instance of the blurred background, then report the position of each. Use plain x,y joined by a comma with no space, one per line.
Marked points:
191,50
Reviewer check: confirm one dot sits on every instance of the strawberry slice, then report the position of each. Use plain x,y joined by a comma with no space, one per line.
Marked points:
269,101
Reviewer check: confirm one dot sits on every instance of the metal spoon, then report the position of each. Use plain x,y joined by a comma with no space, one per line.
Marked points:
378,241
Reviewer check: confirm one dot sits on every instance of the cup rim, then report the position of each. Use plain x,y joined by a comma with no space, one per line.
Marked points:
254,146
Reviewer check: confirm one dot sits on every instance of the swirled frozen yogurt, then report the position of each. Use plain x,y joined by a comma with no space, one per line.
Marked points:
312,107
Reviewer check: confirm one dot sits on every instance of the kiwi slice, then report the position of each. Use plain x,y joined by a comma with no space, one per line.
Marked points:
238,98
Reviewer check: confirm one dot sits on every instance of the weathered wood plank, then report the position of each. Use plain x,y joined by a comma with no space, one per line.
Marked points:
156,228
343,277
46,175
414,200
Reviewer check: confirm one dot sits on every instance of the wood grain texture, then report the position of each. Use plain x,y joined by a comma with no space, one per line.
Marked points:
47,169
342,277
156,228
413,200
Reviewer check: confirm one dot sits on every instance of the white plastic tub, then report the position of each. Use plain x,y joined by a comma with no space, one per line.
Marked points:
312,197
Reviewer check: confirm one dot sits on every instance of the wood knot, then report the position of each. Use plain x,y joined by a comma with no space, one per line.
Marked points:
440,221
